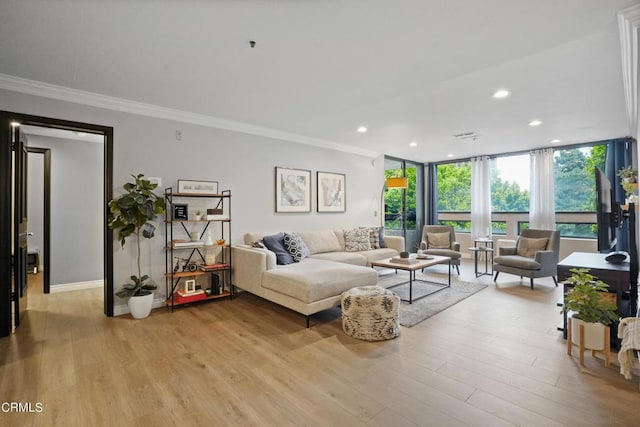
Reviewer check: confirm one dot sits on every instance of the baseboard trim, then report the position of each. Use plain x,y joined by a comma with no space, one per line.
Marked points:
68,287
121,309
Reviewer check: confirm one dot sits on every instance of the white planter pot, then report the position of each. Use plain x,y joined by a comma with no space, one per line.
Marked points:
140,307
594,334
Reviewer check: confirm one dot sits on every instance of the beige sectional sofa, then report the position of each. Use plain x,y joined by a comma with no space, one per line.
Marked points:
316,282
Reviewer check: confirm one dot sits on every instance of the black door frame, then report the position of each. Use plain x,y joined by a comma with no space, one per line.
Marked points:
46,229
6,118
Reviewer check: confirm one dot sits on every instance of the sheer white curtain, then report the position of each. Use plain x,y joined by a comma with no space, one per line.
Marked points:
629,27
542,205
480,197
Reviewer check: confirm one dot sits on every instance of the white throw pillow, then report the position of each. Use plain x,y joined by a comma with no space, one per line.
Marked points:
357,240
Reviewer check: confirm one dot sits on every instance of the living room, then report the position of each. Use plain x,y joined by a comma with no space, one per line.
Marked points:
240,148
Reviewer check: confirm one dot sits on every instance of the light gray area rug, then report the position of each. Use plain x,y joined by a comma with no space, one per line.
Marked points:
437,300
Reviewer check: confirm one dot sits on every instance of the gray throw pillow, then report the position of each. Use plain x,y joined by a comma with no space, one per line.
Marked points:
439,240
528,247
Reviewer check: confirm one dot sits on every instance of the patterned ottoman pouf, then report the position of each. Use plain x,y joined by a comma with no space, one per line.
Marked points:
370,313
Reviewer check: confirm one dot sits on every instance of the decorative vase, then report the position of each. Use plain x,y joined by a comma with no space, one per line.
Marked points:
209,239
140,306
594,334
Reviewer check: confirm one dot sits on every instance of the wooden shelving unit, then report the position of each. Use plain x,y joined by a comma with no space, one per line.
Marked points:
184,263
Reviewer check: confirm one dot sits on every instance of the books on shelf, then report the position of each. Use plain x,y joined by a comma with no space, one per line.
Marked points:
182,299
187,243
183,293
399,260
213,267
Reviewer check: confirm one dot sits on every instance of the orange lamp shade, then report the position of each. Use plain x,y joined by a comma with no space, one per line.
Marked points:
397,182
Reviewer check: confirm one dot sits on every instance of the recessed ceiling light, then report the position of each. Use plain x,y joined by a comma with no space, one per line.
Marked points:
555,141
413,144
501,93
535,122
362,129
449,155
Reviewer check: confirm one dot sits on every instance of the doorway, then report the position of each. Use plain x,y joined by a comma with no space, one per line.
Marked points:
6,205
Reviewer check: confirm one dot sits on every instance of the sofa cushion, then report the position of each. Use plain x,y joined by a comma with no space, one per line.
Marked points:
314,279
354,258
517,261
439,240
275,243
378,254
295,246
321,241
528,247
357,239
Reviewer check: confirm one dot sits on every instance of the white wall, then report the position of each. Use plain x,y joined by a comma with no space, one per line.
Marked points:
76,208
240,162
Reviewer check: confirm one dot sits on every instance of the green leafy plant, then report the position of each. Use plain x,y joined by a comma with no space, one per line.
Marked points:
585,298
131,214
628,172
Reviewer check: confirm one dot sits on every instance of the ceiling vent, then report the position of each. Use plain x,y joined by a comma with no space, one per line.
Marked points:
466,136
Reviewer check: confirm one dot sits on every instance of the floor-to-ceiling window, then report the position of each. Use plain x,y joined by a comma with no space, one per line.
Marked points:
404,207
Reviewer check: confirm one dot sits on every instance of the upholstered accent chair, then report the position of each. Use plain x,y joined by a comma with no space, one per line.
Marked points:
535,255
441,240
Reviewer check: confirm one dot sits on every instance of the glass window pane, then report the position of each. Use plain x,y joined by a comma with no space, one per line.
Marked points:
510,183
454,187
574,177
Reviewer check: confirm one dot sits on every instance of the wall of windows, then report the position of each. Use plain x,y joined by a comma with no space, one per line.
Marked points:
574,192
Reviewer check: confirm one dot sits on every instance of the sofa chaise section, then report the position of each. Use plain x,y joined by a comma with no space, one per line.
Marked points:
313,284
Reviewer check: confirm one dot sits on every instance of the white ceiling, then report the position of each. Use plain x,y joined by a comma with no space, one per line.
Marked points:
411,70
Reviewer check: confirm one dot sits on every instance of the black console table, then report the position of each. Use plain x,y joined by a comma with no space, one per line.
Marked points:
617,276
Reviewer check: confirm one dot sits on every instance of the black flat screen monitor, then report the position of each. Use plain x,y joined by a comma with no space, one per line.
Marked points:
607,212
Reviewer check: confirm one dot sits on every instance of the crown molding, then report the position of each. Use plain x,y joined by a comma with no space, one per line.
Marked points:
62,93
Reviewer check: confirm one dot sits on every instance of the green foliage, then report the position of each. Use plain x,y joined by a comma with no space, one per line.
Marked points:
628,172
584,298
131,214
454,187
574,178
137,288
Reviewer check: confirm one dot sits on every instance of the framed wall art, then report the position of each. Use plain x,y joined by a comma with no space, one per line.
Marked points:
332,195
181,211
187,186
293,190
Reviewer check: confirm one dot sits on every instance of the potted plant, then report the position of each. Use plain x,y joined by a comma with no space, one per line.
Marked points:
587,304
628,174
131,214
198,215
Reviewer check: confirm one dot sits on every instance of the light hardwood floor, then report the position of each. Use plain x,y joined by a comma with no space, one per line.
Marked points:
493,359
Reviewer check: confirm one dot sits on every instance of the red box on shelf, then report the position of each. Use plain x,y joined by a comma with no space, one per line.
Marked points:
179,299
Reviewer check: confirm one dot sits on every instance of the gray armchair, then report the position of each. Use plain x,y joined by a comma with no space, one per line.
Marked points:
535,255
441,240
